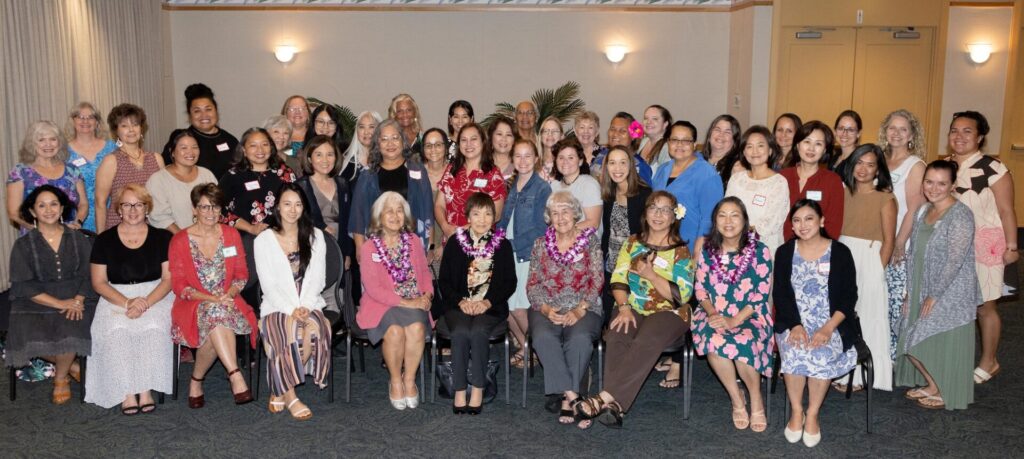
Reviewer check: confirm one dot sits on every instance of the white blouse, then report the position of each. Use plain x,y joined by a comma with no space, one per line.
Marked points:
767,202
275,274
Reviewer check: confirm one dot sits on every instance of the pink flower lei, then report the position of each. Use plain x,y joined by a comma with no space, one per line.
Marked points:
720,274
401,271
487,251
569,256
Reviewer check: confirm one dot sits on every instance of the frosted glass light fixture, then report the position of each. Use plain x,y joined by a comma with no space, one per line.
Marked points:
615,53
285,53
979,52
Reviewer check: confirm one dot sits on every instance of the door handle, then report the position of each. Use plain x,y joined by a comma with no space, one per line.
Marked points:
1017,146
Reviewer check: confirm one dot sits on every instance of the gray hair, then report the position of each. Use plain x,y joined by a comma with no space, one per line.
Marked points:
278,122
376,226
355,149
563,198
375,158
70,133
27,153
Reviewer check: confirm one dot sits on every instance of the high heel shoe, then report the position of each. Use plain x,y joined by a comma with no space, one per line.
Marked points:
243,397
414,401
474,410
197,402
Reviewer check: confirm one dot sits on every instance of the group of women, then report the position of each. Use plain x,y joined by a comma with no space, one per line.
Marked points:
758,245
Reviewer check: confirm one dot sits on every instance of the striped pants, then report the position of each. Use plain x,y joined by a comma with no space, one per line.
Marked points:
285,340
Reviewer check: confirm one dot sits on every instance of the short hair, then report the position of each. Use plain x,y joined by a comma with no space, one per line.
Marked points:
468,107
123,111
883,181
852,115
242,163
140,192
444,140
633,180
180,134
574,144
69,128
210,191
196,91
480,200
944,165
284,108
774,151
27,153
715,238
673,228
565,198
804,132
393,109
588,115
374,158
25,209
917,142
376,226
813,205
306,160
278,122
979,120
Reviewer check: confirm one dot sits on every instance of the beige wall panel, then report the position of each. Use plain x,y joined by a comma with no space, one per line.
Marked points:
815,77
875,12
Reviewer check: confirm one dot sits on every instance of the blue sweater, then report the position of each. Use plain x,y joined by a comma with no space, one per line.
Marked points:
698,189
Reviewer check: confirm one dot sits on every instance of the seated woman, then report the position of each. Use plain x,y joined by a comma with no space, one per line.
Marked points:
477,278
937,337
296,335
131,334
733,325
397,293
564,291
50,291
652,282
208,271
816,322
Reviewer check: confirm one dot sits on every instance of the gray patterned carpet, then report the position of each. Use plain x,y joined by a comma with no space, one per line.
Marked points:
369,427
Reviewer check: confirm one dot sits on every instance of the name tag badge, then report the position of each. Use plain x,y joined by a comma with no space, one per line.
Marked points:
661,262
824,268
222,146
760,200
78,162
415,175
480,183
375,257
253,185
814,195
229,251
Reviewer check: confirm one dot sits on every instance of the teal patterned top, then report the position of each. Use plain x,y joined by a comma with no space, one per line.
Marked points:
672,263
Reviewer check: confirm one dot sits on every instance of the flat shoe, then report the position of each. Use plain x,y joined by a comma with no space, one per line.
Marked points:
303,414
931,402
982,376
147,408
916,393
792,436
275,406
811,441
61,391
669,383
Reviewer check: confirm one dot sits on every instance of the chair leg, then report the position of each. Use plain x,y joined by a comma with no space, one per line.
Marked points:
13,381
687,378
81,385
869,382
849,384
422,368
177,373
776,365
526,368
508,373
600,365
348,367
330,377
433,367
362,359
767,401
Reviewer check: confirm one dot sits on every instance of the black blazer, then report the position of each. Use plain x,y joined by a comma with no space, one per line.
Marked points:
345,203
842,291
634,212
452,278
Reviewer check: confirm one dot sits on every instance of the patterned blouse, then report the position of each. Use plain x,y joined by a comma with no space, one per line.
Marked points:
672,263
32,179
251,194
562,287
459,187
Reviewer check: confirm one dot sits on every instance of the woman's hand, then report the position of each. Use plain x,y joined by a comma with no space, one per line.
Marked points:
926,306
645,268
898,252
553,315
72,308
717,322
797,336
623,321
300,314
1010,256
467,307
573,316
74,225
822,336
228,297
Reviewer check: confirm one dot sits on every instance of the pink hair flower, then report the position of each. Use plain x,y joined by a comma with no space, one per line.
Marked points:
636,130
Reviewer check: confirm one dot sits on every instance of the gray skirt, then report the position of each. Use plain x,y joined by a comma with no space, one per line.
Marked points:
403,317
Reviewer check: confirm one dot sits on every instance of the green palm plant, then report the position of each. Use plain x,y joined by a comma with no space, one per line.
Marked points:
348,119
562,102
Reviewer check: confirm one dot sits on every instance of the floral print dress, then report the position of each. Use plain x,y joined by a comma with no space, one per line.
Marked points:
32,179
752,341
210,314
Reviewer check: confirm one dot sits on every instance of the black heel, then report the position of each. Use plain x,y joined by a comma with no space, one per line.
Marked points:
474,410
611,415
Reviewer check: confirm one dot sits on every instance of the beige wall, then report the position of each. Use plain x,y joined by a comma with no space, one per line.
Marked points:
362,59
969,86
750,31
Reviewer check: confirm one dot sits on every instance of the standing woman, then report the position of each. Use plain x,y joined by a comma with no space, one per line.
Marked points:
816,325
654,146
786,126
404,110
42,161
355,158
733,325
280,130
985,185
477,278
129,164
522,218
326,120
572,172
460,113
869,230
251,186
471,171
435,161
624,194
208,271
501,135
172,185
52,300
296,335
938,315
848,126
620,135
131,332
808,178
551,132
296,109
86,149
721,146
693,182
764,192
216,146
587,127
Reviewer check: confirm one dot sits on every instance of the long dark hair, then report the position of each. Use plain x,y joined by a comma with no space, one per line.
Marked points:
714,239
339,138
242,163
486,161
815,207
884,179
804,132
674,240
305,223
25,209
468,107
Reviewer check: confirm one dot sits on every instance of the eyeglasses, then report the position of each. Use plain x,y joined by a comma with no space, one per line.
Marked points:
393,138
428,146
675,141
846,130
550,132
126,206
85,118
660,210
208,208
296,109
325,123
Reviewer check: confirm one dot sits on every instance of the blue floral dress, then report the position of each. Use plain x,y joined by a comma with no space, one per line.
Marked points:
88,170
33,179
810,285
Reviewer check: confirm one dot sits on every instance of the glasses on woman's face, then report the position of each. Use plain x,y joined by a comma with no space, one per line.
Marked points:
325,123
394,138
85,117
846,130
296,109
659,210
126,206
206,208
433,145
677,141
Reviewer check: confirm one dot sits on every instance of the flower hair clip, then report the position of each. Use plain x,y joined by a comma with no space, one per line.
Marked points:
680,211
636,130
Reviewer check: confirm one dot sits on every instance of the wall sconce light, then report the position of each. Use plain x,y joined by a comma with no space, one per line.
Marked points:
615,53
285,53
979,52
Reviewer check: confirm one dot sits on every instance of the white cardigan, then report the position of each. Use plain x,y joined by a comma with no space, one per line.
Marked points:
275,274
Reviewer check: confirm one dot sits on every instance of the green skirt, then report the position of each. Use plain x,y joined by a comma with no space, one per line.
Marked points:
949,358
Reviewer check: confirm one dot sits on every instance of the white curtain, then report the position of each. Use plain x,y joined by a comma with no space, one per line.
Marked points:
55,53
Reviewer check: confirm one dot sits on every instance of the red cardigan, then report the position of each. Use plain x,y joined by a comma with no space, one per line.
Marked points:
183,275
832,198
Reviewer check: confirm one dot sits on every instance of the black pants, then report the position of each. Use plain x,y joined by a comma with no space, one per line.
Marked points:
470,337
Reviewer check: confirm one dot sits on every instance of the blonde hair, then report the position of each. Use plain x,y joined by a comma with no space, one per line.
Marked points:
376,227
140,192
70,133
916,145
27,153
588,115
393,108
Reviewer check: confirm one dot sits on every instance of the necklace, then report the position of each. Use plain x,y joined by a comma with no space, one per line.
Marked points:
492,241
719,261
575,251
53,237
399,269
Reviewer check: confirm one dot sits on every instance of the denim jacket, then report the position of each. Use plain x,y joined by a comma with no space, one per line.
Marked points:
530,204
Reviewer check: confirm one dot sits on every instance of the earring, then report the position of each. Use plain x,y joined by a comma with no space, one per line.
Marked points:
119,143
910,145
194,219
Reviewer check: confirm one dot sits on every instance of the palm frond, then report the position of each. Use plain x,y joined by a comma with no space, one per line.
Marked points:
562,102
500,109
348,118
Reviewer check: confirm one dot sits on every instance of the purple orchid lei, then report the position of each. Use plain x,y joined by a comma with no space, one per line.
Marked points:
487,251
719,273
402,270
569,256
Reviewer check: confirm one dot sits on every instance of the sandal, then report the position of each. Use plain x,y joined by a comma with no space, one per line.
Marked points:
588,408
130,410
581,423
611,415
275,406
663,365
758,422
302,414
553,402
669,383
982,376
916,394
147,408
75,373
931,402
516,361
61,391
740,419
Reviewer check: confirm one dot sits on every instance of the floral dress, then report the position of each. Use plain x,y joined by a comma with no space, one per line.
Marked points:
810,285
459,186
251,195
32,179
210,314
751,342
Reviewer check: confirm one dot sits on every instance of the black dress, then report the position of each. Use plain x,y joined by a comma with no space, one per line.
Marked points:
37,330
250,195
216,152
